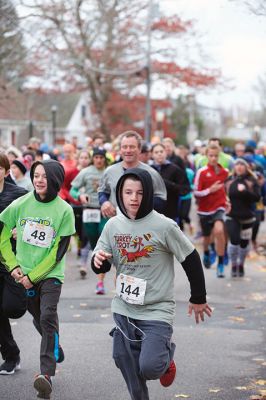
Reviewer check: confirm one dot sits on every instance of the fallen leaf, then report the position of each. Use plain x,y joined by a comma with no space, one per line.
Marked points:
215,390
237,319
258,296
241,387
261,382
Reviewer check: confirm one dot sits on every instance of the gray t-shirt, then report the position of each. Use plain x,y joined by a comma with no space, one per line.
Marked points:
89,179
145,249
114,172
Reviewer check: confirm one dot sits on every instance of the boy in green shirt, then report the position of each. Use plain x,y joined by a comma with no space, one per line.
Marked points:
141,244
44,224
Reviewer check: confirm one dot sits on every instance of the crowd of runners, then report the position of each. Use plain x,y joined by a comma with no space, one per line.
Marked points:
127,204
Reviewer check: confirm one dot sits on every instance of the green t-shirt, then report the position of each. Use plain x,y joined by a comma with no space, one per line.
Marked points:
145,249
39,229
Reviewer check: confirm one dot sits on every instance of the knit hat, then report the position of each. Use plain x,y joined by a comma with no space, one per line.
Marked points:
241,161
99,151
20,165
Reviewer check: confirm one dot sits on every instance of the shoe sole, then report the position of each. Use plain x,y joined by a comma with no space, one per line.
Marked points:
83,274
43,387
17,368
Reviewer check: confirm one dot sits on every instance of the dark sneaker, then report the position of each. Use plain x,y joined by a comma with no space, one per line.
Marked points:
241,271
61,355
220,271
206,261
83,272
169,376
9,367
234,271
43,385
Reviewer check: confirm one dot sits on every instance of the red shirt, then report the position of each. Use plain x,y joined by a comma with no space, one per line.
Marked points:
209,203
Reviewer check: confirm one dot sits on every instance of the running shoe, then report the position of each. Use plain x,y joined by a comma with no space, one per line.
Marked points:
43,385
234,271
241,271
83,272
100,288
9,367
220,271
206,261
169,376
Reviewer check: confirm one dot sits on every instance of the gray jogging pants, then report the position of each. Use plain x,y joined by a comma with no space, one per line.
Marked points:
142,350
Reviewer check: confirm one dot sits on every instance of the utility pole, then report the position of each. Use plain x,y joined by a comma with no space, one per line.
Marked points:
147,127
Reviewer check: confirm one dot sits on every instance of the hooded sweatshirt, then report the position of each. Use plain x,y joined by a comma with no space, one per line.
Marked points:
143,251
44,227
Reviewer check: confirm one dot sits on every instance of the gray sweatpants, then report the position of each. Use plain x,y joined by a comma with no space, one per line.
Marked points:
142,350
42,304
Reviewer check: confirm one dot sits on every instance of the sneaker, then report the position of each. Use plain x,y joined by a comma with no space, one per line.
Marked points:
61,355
83,272
212,256
43,384
9,367
220,271
241,271
234,271
100,288
206,261
169,376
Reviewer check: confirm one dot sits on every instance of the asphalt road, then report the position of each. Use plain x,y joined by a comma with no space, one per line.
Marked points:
223,358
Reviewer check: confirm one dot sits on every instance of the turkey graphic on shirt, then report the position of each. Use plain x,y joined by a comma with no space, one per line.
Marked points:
140,249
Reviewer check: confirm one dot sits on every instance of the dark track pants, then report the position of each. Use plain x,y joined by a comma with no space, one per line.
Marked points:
13,304
145,359
42,304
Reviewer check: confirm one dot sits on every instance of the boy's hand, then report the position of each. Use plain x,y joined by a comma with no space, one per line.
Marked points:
108,210
199,310
17,274
26,282
100,257
14,233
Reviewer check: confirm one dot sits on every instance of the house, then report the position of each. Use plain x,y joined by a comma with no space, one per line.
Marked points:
54,118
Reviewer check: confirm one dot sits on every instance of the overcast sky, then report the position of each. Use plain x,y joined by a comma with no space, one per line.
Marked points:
235,39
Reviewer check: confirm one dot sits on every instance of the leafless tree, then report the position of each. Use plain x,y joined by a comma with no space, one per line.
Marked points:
12,51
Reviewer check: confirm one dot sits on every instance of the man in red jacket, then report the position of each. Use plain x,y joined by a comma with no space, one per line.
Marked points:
211,198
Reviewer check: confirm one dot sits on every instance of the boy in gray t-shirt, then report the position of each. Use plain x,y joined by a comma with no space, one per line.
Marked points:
141,244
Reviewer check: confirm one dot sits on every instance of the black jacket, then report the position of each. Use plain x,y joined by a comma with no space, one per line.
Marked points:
242,202
176,183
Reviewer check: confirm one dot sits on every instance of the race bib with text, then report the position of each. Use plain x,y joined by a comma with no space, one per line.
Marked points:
131,289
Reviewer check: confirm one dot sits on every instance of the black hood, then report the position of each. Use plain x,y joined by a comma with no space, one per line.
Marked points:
55,174
147,201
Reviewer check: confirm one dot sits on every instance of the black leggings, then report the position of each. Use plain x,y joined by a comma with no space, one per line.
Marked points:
239,233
